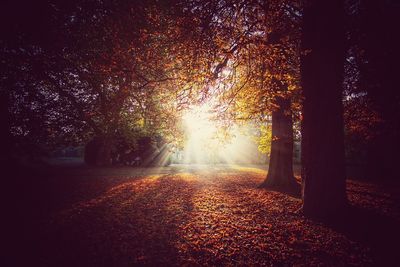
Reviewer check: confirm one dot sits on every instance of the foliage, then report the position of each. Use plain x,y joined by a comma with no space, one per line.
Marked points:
264,141
255,48
105,69
121,69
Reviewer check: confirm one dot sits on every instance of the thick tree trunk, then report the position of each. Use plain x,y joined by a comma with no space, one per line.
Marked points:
323,166
280,170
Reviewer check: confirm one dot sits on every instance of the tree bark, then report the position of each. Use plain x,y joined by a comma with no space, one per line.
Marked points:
322,61
98,151
280,170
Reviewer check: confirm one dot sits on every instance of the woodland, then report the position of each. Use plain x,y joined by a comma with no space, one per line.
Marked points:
157,95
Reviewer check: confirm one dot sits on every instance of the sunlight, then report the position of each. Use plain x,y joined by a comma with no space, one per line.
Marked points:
206,145
201,145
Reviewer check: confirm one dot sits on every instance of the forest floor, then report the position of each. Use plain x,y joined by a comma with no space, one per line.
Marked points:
194,215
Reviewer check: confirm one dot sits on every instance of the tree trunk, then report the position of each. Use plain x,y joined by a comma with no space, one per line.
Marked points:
280,170
323,165
98,151
103,158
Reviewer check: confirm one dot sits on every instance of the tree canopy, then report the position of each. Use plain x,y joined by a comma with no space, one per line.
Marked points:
116,73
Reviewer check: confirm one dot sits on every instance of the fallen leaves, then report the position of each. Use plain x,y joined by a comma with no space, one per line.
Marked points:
202,218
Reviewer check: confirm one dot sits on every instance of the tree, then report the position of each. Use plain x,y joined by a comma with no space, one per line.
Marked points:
254,70
322,64
280,171
105,69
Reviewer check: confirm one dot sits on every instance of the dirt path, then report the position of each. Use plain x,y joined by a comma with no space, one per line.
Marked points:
198,216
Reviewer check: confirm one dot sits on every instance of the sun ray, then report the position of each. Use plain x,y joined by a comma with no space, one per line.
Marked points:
205,145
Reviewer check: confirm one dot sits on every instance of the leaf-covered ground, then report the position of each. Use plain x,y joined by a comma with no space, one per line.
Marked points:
199,216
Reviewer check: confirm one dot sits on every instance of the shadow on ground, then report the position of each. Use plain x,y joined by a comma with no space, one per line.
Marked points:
380,233
133,223
193,216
